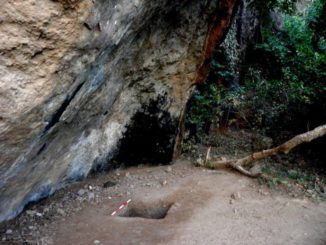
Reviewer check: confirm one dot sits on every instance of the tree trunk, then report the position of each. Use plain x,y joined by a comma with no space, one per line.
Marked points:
286,147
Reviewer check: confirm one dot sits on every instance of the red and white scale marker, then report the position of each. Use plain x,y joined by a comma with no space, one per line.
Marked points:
123,205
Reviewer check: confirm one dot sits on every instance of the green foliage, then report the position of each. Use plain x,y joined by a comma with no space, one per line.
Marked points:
221,71
294,50
205,106
262,102
283,5
294,179
302,66
300,81
286,76
264,6
316,20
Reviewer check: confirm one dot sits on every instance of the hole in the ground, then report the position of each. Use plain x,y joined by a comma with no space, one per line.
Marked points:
146,211
109,184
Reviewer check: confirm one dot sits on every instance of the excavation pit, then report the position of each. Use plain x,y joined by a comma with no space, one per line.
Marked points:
147,211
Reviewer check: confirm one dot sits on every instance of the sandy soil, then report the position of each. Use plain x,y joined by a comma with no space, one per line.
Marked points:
177,204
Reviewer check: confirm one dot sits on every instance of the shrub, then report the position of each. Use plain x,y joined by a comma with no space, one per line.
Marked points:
284,79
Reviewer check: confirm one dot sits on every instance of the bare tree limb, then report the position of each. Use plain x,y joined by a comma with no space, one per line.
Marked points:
286,147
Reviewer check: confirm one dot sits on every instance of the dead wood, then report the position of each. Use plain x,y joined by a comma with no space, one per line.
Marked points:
286,147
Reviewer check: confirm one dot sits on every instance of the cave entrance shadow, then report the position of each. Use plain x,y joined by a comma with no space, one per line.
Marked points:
150,138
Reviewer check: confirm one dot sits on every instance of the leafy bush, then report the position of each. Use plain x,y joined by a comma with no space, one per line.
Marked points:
205,107
301,79
285,77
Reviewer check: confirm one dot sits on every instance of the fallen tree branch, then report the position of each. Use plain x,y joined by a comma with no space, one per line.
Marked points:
286,147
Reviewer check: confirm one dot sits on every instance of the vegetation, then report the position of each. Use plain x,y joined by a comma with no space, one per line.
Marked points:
281,92
283,82
239,163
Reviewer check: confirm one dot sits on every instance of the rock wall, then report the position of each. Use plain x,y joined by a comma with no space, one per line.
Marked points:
86,82
243,33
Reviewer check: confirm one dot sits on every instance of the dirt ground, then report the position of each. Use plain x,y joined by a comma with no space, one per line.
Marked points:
177,204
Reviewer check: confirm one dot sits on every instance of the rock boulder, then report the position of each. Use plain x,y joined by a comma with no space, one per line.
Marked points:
86,83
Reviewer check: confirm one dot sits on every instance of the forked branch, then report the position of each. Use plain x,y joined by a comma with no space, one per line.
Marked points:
286,147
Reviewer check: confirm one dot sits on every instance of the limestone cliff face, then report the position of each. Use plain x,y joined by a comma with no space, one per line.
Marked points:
83,82
243,33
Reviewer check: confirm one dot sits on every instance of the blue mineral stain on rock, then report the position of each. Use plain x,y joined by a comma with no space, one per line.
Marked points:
97,76
43,191
78,171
